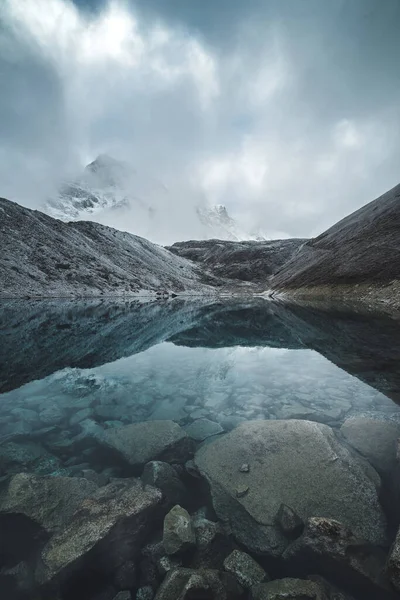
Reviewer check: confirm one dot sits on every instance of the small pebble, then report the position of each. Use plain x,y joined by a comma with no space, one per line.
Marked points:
242,491
245,468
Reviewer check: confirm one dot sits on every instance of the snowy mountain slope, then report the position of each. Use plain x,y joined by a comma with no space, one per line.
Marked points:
253,261
108,188
41,256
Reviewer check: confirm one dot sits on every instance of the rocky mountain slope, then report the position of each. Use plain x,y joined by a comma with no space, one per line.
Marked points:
253,261
359,256
41,256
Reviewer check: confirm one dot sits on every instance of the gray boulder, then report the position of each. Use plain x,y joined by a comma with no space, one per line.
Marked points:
48,501
164,477
23,455
178,533
201,429
288,589
297,463
246,570
140,443
375,439
393,563
331,549
106,531
186,584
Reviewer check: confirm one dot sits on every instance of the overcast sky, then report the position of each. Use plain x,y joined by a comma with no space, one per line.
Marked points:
286,111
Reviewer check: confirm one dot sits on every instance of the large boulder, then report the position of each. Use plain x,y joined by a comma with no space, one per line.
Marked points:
105,532
297,463
48,501
140,443
376,439
393,563
331,549
187,584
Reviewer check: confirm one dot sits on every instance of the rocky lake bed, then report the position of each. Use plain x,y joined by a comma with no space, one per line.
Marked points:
174,451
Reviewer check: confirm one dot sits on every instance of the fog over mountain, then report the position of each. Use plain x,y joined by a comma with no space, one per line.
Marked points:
286,113
113,192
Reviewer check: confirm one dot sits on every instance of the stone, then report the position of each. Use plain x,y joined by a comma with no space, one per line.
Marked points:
201,429
191,469
375,439
213,544
245,468
289,521
140,443
165,564
164,477
123,596
300,464
105,532
52,415
246,570
26,455
242,490
393,563
187,584
145,593
288,589
230,422
110,412
26,415
178,532
329,547
80,415
48,501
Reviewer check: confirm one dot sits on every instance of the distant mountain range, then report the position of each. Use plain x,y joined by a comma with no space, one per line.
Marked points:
107,184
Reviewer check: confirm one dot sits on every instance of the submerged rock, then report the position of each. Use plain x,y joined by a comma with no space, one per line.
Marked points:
164,477
140,443
213,544
178,534
393,563
289,521
105,531
48,501
288,589
29,456
375,439
246,570
201,429
145,593
186,584
331,549
297,463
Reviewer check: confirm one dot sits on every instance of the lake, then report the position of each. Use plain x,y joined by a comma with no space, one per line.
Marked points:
72,371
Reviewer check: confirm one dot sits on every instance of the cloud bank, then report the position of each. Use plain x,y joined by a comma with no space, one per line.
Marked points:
287,113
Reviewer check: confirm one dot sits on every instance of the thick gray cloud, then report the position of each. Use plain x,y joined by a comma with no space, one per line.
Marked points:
286,112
